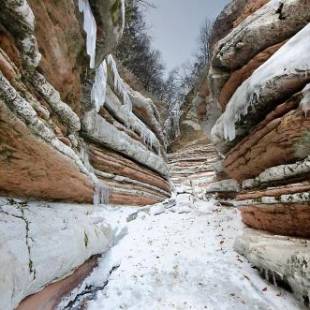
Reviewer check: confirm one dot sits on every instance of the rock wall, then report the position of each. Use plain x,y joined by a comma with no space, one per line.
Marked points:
254,107
71,131
192,167
67,103
182,126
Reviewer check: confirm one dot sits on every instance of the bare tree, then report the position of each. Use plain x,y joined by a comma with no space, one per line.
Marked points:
203,54
136,52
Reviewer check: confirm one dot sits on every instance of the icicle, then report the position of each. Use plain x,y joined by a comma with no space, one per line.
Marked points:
123,8
101,194
305,102
119,85
98,92
252,94
274,279
90,27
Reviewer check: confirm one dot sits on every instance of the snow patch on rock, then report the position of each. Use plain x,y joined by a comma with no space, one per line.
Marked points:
43,242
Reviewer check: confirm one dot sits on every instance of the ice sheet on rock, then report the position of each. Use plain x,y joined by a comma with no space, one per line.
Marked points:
99,89
102,131
178,258
119,86
123,90
90,27
247,96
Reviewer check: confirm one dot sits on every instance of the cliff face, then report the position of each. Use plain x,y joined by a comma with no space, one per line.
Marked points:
74,135
71,130
64,106
255,109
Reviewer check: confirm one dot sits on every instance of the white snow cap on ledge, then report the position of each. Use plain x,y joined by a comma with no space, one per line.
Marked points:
291,58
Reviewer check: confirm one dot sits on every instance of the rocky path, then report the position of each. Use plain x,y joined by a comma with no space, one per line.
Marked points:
176,255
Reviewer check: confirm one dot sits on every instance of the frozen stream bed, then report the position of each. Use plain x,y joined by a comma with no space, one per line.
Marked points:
176,255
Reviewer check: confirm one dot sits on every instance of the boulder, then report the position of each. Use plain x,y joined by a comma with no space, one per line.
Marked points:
281,260
44,242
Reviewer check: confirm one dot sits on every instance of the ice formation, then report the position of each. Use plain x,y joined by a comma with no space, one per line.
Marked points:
305,102
123,8
147,136
175,116
98,93
90,28
249,94
119,86
101,194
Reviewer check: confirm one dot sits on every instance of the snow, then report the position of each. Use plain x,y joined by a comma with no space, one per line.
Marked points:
23,9
228,185
41,242
285,199
90,27
279,173
98,92
248,95
176,255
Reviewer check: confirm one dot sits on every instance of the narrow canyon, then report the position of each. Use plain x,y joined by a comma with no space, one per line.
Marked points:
113,199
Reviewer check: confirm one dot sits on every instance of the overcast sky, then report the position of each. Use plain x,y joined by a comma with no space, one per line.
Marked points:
175,26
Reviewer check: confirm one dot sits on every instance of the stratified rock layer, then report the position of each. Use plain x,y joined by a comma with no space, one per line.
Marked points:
71,130
265,123
254,106
59,107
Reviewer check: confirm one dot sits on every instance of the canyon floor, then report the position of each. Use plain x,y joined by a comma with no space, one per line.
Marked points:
176,255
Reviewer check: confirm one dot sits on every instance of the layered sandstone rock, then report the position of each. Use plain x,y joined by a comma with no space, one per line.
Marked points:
48,94
197,169
193,164
255,109
71,130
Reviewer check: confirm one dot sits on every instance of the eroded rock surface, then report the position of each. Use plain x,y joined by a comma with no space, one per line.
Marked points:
71,130
31,235
254,107
60,98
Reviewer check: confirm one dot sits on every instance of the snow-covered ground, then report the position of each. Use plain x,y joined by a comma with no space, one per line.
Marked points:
177,255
